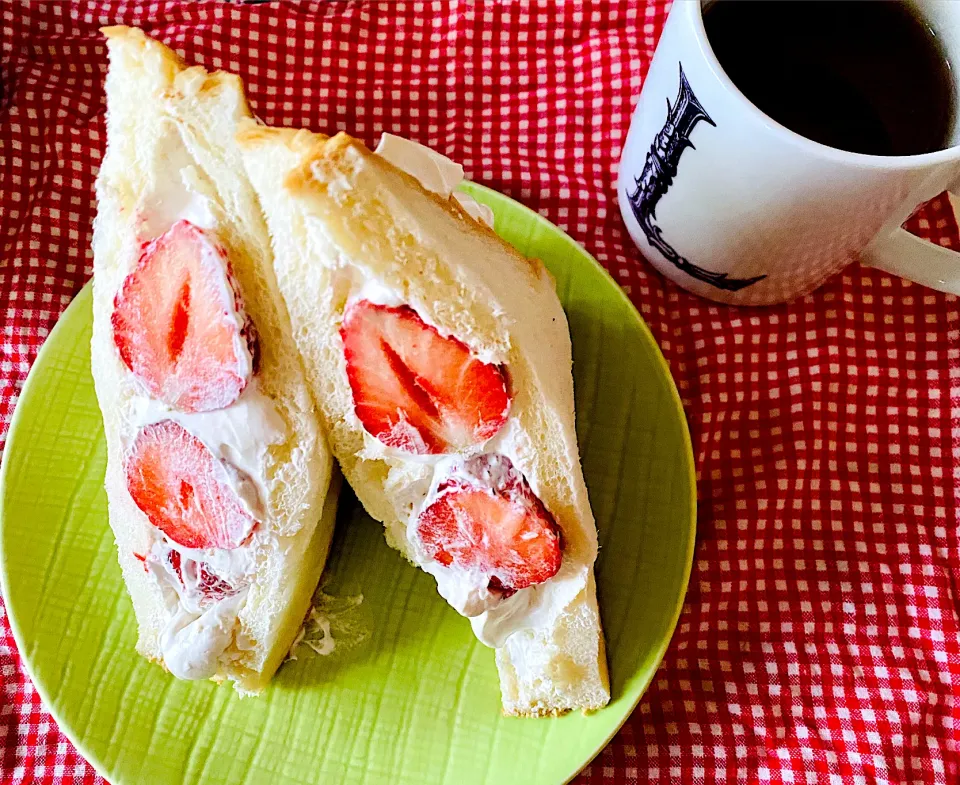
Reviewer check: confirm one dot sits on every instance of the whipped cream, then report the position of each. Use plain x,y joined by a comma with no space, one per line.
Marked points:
177,193
535,607
232,566
374,291
436,172
413,480
200,626
193,644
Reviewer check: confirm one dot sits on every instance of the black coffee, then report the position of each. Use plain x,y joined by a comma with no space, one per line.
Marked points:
867,76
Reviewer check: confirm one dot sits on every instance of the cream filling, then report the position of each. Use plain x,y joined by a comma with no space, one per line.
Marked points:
435,172
233,566
413,480
193,644
176,191
198,630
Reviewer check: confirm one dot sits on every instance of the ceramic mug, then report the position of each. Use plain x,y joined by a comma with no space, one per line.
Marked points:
737,208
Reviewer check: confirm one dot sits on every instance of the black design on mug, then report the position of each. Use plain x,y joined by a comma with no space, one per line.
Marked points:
654,181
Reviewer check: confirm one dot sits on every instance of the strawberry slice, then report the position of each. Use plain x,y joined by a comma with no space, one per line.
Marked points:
184,490
174,560
194,575
179,325
486,518
415,389
212,586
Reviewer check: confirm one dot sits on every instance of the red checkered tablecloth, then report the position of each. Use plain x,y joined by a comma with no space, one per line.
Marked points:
819,639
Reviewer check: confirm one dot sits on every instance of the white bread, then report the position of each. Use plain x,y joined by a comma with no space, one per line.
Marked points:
163,116
338,212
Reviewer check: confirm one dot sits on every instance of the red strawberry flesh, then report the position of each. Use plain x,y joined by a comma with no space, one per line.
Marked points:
487,518
415,389
184,489
179,326
174,560
198,574
212,586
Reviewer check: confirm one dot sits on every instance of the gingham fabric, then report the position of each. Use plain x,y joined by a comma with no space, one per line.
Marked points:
819,639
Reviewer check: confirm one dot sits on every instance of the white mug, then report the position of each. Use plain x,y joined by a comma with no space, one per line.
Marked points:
735,207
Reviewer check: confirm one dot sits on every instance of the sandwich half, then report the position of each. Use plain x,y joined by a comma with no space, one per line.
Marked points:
218,474
440,359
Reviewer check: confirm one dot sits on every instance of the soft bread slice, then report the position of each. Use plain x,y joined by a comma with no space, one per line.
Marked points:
170,133
339,214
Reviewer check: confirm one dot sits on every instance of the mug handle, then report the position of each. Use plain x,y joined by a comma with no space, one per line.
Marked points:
907,256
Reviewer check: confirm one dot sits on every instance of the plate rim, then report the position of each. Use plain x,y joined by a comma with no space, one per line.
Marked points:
472,187
81,299
85,293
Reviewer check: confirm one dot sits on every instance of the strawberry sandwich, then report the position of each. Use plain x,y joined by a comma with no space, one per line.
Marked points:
218,475
440,359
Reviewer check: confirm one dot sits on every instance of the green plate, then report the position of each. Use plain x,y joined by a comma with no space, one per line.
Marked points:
418,701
